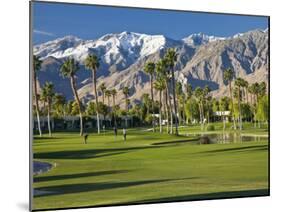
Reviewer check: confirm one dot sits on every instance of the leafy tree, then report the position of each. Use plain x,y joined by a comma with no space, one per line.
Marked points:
92,63
69,69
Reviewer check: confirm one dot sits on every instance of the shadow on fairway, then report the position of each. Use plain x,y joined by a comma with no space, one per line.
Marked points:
175,142
88,153
239,149
78,175
86,187
217,195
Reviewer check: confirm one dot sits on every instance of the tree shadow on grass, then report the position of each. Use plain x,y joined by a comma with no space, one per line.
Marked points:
207,196
175,142
238,149
78,175
86,187
88,153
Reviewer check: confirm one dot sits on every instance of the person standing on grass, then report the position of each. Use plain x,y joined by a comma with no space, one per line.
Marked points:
124,134
115,133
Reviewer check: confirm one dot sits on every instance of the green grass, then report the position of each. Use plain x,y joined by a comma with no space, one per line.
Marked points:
106,171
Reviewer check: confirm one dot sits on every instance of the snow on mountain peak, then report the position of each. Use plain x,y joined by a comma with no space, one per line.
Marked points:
200,39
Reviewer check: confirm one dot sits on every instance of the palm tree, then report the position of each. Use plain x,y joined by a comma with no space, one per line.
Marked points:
239,83
199,93
207,99
48,93
59,104
126,94
113,94
150,69
171,58
92,63
160,85
36,67
69,69
178,94
188,96
107,94
102,89
228,77
162,72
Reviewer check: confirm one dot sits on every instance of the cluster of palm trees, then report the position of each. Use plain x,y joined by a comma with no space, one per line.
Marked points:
57,101
162,79
175,104
241,93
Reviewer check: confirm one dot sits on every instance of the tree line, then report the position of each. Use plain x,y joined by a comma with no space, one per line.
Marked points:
174,104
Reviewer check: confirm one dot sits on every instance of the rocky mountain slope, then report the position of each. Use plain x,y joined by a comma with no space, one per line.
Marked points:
201,60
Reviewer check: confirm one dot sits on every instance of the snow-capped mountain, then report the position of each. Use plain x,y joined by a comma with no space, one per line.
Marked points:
200,39
120,50
201,60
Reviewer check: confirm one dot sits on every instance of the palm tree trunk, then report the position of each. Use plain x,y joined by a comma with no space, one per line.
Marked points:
36,104
115,123
174,101
170,107
160,111
232,106
152,99
97,100
49,125
239,109
73,87
166,109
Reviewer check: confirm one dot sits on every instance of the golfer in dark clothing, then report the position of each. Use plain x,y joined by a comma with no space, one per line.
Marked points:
124,134
115,132
85,138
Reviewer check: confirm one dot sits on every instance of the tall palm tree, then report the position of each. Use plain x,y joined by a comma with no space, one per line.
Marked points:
178,96
92,63
69,69
160,85
102,89
126,94
36,67
228,77
48,93
207,99
107,94
171,57
239,83
150,69
113,94
59,104
199,93
162,72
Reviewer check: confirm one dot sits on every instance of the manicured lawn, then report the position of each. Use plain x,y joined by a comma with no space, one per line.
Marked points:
106,171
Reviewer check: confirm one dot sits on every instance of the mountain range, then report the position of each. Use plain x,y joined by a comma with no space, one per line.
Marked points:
202,60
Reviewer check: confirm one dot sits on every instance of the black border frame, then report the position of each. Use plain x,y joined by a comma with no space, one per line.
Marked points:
128,204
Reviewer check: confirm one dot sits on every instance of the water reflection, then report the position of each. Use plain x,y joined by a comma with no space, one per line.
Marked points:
227,137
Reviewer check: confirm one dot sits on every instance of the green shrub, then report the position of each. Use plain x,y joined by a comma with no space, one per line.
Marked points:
210,128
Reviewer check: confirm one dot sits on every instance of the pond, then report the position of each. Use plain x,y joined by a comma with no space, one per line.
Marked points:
229,137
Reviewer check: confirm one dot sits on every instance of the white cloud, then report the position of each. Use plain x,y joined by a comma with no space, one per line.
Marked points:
40,32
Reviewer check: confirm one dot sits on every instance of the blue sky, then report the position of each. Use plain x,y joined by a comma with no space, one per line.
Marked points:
53,20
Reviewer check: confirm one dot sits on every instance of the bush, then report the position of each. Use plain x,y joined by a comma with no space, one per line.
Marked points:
210,128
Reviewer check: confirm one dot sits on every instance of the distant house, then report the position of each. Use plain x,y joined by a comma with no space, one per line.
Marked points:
221,114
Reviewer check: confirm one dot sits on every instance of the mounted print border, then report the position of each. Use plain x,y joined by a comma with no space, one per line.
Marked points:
138,105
